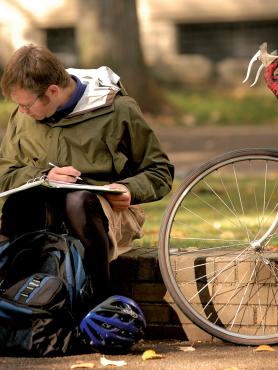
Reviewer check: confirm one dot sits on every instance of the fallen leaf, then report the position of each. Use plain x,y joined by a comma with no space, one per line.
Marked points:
88,365
105,362
271,248
264,347
150,354
176,233
187,349
232,368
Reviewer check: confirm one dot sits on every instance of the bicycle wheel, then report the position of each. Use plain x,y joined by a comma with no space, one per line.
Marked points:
218,251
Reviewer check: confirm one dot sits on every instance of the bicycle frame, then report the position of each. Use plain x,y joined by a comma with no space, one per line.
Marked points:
257,244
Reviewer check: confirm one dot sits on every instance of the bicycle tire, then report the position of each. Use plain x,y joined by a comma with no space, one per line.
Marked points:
175,247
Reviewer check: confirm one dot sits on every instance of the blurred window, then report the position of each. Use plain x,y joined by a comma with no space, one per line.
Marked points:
221,40
62,42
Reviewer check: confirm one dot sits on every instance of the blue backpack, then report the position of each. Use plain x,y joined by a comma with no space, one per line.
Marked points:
44,292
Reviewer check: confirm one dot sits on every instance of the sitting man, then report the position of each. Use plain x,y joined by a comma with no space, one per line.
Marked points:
84,122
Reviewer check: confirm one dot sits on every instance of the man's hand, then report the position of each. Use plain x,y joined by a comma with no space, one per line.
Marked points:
119,201
65,174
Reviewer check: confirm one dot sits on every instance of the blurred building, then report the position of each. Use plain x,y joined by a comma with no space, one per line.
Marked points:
46,22
194,41
186,41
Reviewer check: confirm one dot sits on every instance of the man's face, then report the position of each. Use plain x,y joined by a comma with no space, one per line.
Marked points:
37,107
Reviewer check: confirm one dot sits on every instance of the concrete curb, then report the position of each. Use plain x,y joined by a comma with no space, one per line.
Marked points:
136,274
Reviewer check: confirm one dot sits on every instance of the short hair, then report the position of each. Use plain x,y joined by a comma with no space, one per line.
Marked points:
33,68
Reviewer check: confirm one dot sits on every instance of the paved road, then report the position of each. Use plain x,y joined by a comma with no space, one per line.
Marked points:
189,147
205,357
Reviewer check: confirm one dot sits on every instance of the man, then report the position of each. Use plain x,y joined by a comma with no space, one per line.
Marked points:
84,123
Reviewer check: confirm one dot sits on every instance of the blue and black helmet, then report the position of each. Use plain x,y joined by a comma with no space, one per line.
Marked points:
115,324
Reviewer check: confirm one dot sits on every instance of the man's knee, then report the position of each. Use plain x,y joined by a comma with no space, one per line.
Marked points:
79,200
84,202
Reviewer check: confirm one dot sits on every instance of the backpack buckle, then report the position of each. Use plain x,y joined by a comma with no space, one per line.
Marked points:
32,284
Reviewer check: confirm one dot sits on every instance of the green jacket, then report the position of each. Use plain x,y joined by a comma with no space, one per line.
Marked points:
109,144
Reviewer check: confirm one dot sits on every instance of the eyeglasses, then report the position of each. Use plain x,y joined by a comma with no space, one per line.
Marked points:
28,106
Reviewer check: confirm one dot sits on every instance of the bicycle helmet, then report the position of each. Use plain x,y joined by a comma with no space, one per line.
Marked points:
114,325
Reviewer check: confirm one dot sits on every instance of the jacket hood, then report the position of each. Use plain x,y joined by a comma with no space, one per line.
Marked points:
102,85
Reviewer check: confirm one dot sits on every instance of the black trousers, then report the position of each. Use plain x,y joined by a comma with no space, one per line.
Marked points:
78,212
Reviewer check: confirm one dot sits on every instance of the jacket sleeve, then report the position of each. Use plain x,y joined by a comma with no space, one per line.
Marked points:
151,173
14,169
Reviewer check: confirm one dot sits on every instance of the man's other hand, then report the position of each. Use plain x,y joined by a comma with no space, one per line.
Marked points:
119,201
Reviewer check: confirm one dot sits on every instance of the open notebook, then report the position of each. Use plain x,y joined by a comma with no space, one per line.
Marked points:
62,185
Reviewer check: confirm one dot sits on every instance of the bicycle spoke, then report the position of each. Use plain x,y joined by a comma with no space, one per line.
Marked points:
269,266
219,289
237,244
218,256
241,203
215,276
215,209
221,200
207,264
260,306
235,291
231,202
244,294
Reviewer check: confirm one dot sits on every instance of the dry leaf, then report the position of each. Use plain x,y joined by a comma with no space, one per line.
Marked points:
264,347
150,354
105,362
232,368
271,248
88,365
187,349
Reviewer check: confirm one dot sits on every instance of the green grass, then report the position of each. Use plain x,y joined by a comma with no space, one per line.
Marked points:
222,107
154,213
5,111
227,219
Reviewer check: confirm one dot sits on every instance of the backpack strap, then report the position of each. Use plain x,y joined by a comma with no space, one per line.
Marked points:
32,284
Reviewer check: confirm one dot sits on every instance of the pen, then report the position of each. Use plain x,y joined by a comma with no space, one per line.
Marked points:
54,165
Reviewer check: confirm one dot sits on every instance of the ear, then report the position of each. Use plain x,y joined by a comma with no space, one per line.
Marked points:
53,90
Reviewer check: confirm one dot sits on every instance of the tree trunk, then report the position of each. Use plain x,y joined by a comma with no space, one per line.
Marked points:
108,33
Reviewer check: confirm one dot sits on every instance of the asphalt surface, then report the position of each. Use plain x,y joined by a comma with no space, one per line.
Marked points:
187,148
175,355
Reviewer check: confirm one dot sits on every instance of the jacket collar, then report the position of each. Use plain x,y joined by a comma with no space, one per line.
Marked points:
69,106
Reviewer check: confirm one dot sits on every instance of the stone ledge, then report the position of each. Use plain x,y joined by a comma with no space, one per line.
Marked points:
136,274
